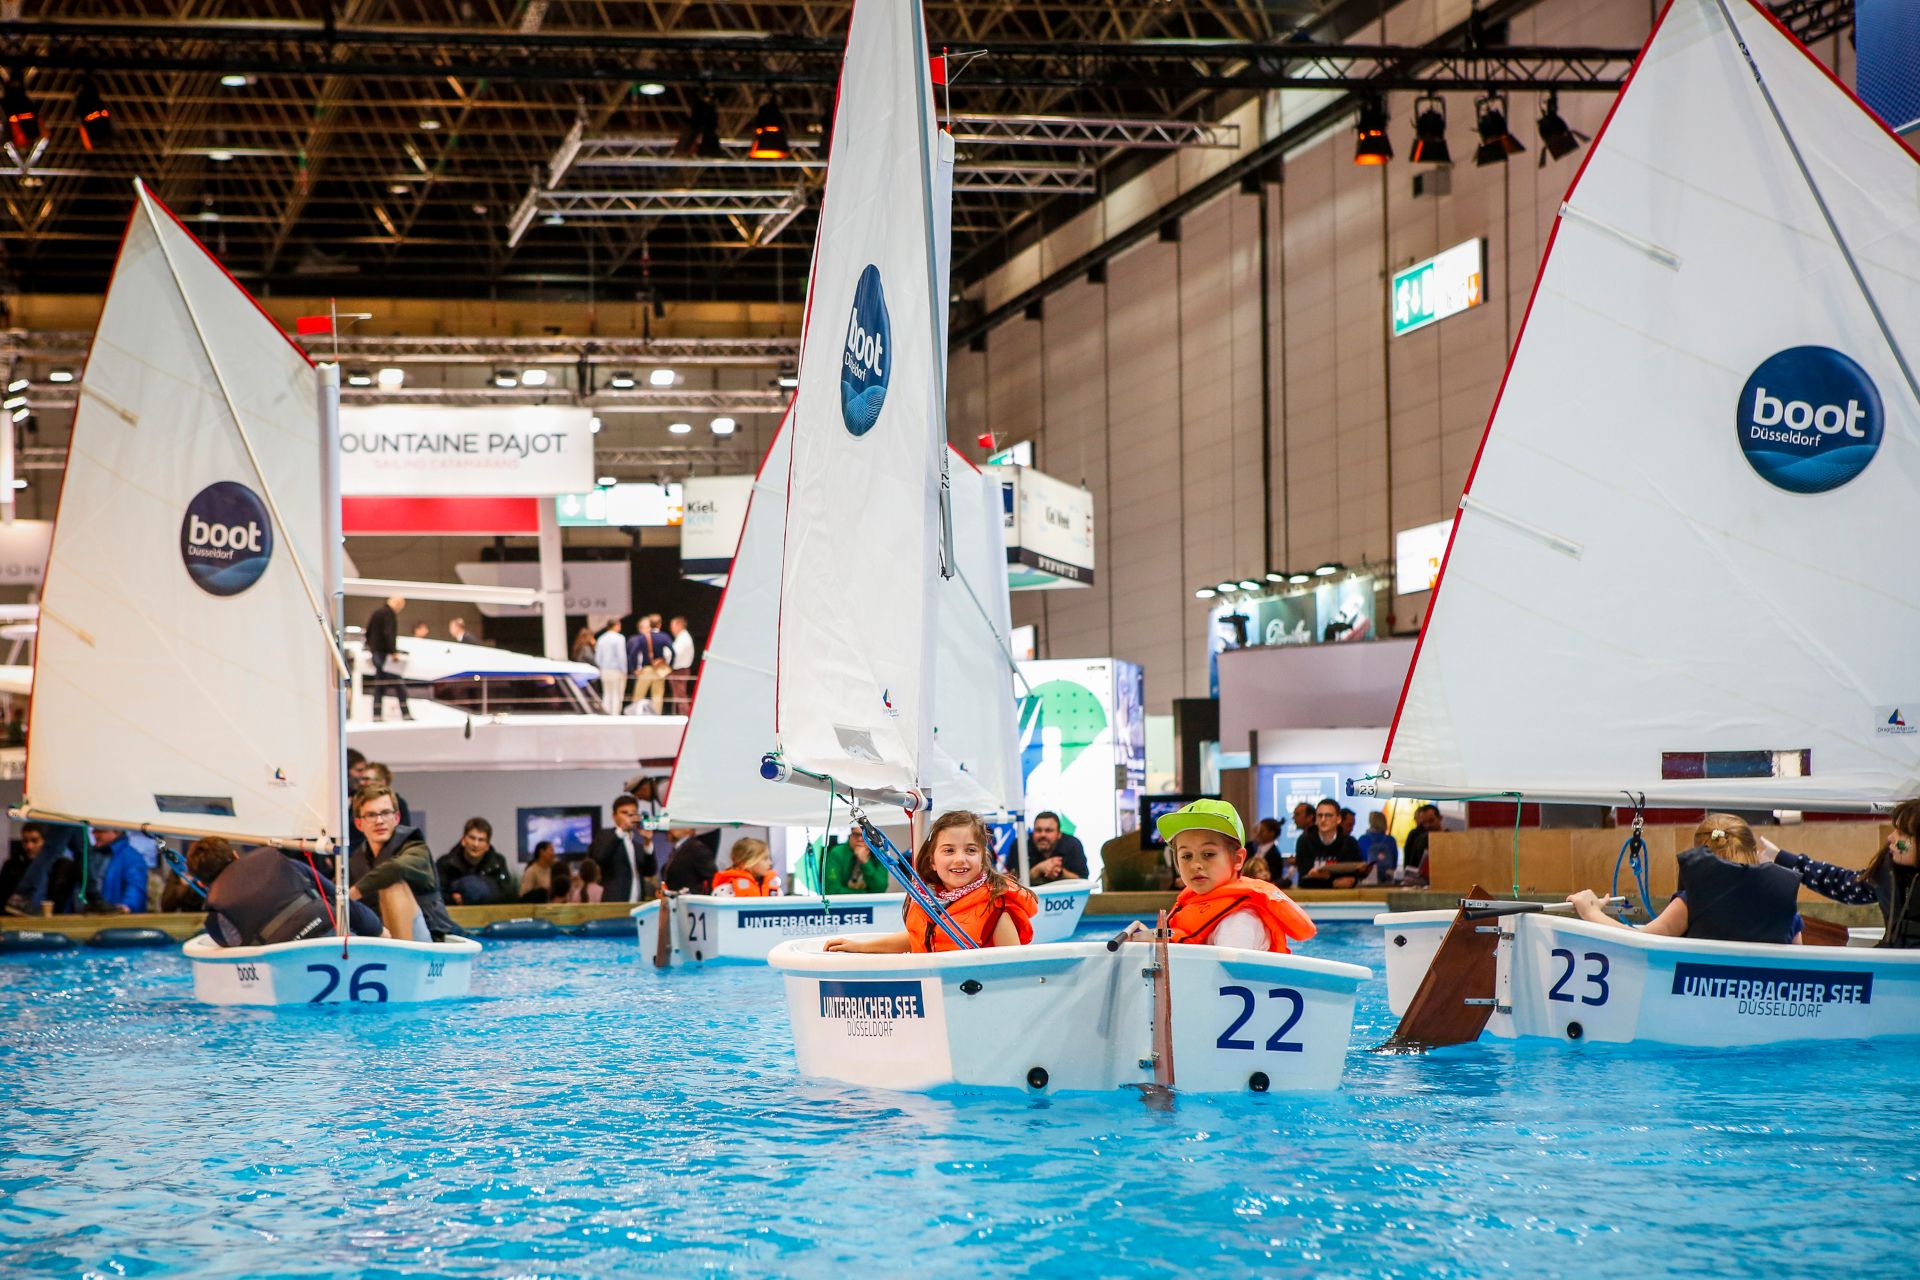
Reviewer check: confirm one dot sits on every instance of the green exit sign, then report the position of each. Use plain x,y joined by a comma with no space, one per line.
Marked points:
1444,285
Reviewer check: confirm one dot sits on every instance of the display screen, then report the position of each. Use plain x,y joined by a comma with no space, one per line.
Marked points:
570,827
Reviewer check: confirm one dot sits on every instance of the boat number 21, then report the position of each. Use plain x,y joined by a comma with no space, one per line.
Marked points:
1277,1042
1595,981
359,985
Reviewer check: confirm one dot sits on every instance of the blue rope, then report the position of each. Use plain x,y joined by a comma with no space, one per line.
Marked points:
1637,847
916,888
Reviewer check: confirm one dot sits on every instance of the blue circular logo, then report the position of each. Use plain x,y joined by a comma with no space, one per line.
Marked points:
1809,419
226,539
868,359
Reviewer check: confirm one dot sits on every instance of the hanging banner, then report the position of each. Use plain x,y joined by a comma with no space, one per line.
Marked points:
521,451
713,510
600,588
1049,531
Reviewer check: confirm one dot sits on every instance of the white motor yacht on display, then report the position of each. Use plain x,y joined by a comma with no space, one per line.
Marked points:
189,674
1679,574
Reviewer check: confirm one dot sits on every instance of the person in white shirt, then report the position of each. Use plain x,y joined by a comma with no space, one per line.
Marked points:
610,655
680,682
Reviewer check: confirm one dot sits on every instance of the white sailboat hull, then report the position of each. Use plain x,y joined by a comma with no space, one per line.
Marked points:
1567,980
312,971
1067,1016
748,929
1340,912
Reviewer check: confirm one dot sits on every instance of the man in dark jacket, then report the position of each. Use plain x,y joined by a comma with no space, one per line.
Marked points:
395,856
383,642
473,871
264,897
625,854
1052,854
1327,855
691,868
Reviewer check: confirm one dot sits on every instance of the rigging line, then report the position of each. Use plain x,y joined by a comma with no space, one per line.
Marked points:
246,443
936,291
1813,188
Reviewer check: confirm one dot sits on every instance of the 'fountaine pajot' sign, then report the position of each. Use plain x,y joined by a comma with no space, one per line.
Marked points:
430,450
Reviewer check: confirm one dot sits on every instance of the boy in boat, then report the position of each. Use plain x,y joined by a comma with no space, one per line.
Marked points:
398,860
751,875
1220,906
264,897
953,861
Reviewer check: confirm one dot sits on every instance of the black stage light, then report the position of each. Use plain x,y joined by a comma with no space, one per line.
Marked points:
23,118
1430,131
1371,144
1496,140
1556,135
700,136
96,122
769,133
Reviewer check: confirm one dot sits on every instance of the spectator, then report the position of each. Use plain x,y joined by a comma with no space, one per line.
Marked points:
383,631
1380,849
691,868
1326,843
850,867
52,874
1052,854
680,679
645,791
1302,819
397,858
473,873
643,652
1266,848
536,882
119,870
457,631
1347,820
263,897
610,655
356,769
1426,820
583,645
587,888
1256,867
422,631
623,854
20,855
378,775
562,879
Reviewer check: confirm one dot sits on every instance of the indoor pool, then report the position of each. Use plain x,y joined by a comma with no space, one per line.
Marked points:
586,1115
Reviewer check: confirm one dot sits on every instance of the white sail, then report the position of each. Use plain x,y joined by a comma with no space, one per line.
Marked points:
1679,563
853,689
181,677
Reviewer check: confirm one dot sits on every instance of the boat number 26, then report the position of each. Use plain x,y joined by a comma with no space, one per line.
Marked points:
1594,980
359,985
1293,1006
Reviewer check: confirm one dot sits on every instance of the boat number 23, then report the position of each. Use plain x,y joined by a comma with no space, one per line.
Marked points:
1595,981
1294,1006
359,985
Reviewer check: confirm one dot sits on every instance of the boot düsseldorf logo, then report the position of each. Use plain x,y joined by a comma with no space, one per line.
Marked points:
866,362
226,539
1809,419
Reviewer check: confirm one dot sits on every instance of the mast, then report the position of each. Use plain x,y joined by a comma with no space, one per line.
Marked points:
333,571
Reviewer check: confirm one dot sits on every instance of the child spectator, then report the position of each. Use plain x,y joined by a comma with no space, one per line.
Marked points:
587,888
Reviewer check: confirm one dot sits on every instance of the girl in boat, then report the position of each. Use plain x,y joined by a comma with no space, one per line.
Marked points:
751,875
953,861
1888,881
1727,892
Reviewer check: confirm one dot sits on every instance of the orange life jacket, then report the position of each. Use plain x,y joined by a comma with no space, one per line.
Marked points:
1196,915
745,885
977,914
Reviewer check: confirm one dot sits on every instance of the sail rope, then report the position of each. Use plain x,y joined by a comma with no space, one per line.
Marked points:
1634,854
917,889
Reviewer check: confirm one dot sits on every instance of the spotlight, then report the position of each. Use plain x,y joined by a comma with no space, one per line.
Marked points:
789,376
1224,587
19,483
234,80
23,118
359,378
1205,593
660,378
1430,131
700,136
621,382
21,415
429,123
220,157
391,377
398,188
60,375
19,384
1275,577
722,426
1556,135
534,378
1297,578
1248,584
505,378
96,122
1496,140
1328,569
769,133
605,482
594,423
14,402
1371,144
681,428
652,88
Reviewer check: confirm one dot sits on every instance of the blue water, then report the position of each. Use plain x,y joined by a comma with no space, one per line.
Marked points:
589,1116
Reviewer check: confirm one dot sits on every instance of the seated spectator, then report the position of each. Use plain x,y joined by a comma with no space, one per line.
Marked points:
264,897
563,879
1052,854
1256,868
20,855
400,872
473,872
1727,892
691,868
1889,881
1381,851
1426,821
850,867
751,875
1326,857
422,631
119,871
1265,846
587,887
378,775
536,882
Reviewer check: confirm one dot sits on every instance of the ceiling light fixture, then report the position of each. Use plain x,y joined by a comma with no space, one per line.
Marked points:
605,482
660,378
1496,140
1297,578
722,426
23,118
505,378
391,377
700,135
1225,586
534,378
1371,143
234,80
1328,569
19,384
359,378
1248,584
621,381
1556,135
681,428
96,122
769,133
429,123
1205,593
594,425
1430,131
652,88
60,375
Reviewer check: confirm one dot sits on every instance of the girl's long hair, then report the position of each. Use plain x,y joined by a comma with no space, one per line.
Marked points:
1906,821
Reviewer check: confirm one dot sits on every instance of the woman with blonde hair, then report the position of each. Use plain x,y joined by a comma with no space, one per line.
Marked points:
1727,893
751,875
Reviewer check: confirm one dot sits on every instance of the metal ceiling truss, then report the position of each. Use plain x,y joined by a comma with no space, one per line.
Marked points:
687,400
69,347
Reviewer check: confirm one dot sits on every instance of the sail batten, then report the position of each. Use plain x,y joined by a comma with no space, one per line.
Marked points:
1677,535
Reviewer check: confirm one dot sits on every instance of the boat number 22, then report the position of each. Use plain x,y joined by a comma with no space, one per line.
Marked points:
1596,981
359,986
1277,1042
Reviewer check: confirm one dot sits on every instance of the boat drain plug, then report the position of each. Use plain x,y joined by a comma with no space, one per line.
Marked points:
1399,939
1037,1077
1258,1082
971,986
1575,1031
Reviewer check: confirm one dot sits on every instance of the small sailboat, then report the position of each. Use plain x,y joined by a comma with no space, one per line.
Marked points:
1676,576
858,688
188,673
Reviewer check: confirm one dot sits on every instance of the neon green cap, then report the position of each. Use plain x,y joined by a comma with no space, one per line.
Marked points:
1202,815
